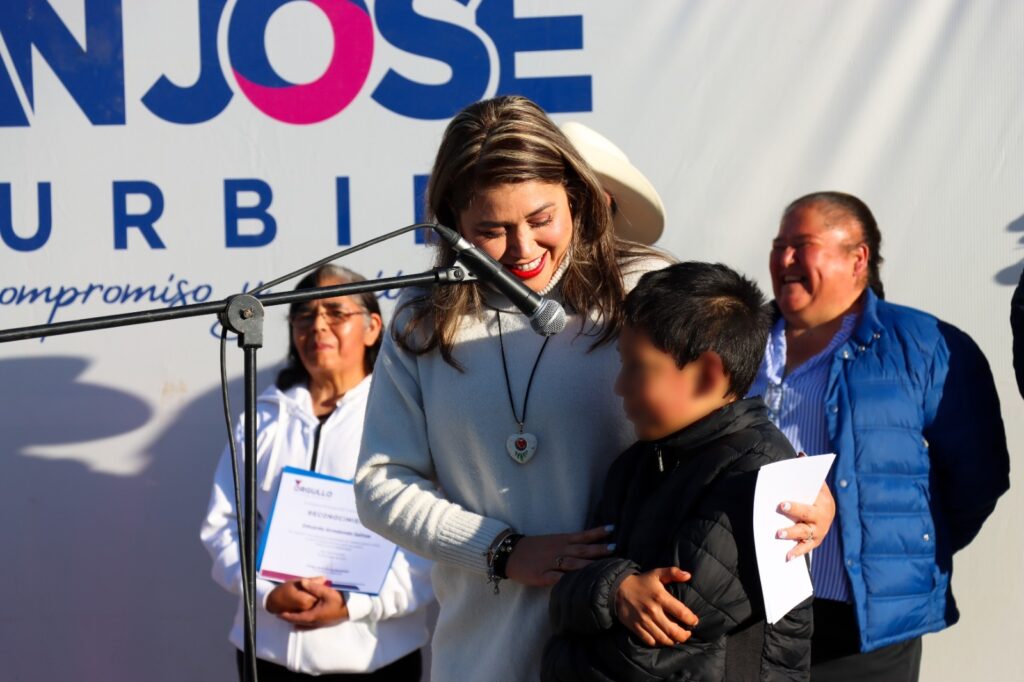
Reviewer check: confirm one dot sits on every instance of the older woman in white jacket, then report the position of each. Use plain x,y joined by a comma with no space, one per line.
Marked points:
313,419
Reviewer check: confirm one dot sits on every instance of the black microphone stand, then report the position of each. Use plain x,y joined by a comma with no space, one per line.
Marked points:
243,314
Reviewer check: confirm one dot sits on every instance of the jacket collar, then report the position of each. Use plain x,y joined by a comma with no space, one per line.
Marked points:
724,421
869,327
298,402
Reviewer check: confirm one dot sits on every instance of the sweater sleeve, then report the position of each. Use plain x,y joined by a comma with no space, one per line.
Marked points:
1017,328
395,491
219,532
406,590
966,439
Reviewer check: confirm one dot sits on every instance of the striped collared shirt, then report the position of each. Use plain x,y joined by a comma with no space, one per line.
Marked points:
796,403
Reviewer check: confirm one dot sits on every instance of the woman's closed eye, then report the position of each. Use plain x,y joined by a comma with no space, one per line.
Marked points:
796,246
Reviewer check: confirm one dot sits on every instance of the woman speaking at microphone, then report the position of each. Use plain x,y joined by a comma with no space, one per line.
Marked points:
313,419
485,443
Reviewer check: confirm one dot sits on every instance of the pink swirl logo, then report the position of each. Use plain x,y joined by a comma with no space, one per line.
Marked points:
341,81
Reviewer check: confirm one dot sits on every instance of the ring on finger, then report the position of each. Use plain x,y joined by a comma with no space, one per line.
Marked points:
810,534
558,562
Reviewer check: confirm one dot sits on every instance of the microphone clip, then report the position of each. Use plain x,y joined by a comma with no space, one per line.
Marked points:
455,273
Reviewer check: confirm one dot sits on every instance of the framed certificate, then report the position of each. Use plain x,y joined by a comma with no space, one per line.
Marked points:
314,530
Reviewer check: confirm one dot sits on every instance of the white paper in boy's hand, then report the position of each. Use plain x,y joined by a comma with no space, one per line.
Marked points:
784,583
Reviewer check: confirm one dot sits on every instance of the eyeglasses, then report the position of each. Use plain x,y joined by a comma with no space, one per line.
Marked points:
305,319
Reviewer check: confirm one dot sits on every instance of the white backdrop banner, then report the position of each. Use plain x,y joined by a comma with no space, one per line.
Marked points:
156,154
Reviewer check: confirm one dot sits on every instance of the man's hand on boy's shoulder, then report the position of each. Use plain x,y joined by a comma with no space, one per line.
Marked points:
649,610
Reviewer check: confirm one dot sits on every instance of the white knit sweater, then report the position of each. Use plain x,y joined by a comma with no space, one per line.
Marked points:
434,475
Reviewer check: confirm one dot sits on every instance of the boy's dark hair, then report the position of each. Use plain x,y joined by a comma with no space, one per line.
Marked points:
691,308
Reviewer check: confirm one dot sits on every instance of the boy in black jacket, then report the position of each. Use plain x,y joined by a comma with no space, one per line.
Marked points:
682,496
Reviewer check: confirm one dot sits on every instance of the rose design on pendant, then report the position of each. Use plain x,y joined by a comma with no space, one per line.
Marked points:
521,447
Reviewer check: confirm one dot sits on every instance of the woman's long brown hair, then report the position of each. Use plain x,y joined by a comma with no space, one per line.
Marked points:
510,140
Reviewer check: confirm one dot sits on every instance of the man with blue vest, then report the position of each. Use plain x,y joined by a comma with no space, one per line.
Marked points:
908,404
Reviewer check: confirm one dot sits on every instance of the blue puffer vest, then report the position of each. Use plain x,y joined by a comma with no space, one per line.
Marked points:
914,416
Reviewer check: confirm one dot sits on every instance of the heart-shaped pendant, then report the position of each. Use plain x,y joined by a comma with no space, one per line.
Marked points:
521,447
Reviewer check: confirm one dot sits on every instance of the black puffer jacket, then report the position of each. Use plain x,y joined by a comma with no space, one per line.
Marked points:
684,501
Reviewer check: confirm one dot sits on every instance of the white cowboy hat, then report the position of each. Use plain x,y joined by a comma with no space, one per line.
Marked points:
641,213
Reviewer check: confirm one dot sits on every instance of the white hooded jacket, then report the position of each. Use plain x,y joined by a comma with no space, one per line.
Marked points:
381,629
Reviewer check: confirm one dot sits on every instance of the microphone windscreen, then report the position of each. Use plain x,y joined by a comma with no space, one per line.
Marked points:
549,318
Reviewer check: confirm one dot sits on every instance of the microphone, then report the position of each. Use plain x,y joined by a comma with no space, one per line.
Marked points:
546,316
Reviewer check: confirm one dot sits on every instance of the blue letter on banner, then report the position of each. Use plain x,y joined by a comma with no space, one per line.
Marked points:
144,222
233,213
42,234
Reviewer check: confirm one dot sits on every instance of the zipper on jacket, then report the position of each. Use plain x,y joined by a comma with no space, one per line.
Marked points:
661,462
316,446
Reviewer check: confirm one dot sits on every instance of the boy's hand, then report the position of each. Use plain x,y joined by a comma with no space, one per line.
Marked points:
650,611
541,560
813,522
